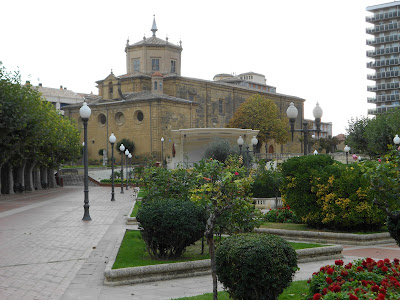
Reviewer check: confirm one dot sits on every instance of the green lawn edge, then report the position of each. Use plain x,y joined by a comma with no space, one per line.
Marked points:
132,252
297,290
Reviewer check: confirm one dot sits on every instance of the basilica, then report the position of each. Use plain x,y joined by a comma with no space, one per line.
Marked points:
154,102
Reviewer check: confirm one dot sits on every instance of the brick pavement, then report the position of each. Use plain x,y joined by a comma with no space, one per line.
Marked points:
44,242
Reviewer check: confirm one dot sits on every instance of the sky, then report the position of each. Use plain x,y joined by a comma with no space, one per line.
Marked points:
312,49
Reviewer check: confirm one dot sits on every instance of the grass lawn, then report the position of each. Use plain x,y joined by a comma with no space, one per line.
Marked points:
303,227
135,209
296,291
132,252
142,193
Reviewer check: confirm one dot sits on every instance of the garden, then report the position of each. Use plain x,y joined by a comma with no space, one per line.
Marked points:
184,211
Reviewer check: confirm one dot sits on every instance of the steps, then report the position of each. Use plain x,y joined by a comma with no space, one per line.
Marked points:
75,180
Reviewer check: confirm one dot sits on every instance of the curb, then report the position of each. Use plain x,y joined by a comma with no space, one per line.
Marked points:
331,237
142,274
132,220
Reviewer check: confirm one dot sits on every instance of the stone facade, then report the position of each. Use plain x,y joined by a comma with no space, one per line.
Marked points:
156,92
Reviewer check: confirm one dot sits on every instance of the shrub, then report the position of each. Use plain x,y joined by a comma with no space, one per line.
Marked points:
219,149
362,279
266,183
255,266
282,215
168,226
328,194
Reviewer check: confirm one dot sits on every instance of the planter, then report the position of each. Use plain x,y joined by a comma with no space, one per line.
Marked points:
142,274
330,237
268,203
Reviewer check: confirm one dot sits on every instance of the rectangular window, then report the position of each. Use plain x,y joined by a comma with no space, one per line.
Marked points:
136,65
155,64
221,107
173,66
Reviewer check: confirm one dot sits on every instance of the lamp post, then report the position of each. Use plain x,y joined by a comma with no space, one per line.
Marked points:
240,142
396,140
112,140
292,113
347,150
162,152
315,152
126,166
122,148
130,167
85,112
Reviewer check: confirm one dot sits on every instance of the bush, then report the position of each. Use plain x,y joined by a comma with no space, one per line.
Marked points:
266,183
219,149
282,215
255,266
328,194
393,225
168,226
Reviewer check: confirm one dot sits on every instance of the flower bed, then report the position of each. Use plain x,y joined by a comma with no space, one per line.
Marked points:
281,215
362,279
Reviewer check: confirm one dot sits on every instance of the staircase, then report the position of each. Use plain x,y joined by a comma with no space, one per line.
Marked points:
75,180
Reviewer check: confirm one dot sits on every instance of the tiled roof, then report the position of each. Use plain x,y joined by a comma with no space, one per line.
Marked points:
154,41
53,92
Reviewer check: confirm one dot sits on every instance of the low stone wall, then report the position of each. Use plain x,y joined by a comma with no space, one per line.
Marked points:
134,275
330,237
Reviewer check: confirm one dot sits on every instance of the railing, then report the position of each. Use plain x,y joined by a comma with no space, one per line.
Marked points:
383,63
382,16
383,27
384,98
383,86
380,75
383,39
371,53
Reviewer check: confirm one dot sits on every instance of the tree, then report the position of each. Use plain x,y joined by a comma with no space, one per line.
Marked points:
224,194
260,113
219,149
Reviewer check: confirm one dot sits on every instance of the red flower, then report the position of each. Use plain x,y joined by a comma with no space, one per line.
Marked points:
386,261
317,296
324,291
344,273
364,282
384,269
339,262
208,179
360,269
328,280
236,173
381,297
348,266
375,288
336,289
353,297
330,271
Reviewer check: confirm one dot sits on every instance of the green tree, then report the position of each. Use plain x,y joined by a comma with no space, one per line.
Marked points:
261,113
219,149
225,195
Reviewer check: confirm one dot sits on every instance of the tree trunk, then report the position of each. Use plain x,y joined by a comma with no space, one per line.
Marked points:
43,177
1,165
10,189
211,247
29,177
20,179
51,178
36,178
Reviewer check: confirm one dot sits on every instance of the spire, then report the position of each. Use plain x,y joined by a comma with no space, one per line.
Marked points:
154,27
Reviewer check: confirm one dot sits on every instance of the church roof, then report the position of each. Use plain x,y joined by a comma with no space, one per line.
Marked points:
154,41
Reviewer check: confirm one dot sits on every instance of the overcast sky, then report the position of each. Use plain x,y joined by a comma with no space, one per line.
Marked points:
313,49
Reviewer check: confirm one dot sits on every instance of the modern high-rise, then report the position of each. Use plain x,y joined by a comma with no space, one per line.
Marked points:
385,56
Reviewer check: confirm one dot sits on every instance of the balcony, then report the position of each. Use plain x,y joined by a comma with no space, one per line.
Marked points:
384,98
383,39
381,75
378,52
381,109
382,16
382,28
383,63
383,86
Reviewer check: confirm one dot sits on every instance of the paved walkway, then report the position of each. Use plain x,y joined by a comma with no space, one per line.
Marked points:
48,252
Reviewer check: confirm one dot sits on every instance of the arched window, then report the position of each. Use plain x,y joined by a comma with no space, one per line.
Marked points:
155,85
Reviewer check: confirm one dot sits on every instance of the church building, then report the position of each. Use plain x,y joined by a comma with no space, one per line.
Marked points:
153,99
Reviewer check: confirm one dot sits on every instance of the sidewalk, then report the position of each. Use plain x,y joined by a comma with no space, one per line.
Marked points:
48,252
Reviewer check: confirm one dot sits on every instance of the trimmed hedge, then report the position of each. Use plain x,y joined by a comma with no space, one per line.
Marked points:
255,266
168,226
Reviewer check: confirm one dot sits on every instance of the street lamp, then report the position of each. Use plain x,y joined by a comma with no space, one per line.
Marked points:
85,112
396,140
112,140
292,113
130,166
254,142
162,152
347,150
122,148
126,166
315,152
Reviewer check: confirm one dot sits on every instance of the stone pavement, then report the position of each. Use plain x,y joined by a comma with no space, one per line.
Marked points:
48,252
